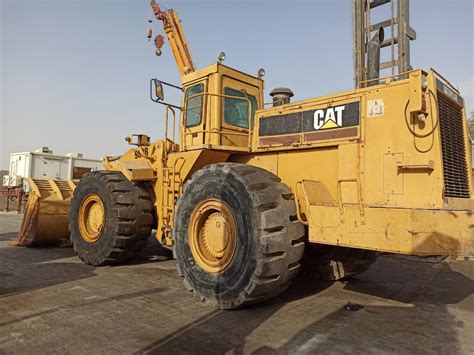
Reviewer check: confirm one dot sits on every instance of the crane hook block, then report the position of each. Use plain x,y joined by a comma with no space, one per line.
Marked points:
159,41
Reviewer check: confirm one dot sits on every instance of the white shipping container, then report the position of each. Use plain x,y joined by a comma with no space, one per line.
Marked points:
6,180
15,181
43,164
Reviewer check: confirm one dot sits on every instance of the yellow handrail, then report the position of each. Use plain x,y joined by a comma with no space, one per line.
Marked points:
384,78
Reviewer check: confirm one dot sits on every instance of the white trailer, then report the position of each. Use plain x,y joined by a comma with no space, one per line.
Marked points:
44,164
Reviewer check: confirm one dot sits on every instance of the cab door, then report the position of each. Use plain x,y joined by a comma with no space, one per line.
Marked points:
237,116
194,113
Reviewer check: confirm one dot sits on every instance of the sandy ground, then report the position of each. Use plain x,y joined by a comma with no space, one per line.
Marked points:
52,303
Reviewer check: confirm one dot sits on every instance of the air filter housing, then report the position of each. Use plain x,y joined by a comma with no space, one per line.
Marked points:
281,96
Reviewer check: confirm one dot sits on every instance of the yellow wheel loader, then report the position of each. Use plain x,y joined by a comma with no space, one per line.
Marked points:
251,194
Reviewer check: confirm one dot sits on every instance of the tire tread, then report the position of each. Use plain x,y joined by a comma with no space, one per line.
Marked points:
281,238
132,220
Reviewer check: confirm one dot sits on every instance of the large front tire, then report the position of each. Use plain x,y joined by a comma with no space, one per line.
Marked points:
236,236
110,218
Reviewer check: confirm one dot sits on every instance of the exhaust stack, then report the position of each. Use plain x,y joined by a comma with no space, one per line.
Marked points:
373,56
281,96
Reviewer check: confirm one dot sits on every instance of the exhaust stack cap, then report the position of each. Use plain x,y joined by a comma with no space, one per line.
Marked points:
281,96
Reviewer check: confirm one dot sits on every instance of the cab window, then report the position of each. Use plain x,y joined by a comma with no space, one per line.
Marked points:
194,105
236,111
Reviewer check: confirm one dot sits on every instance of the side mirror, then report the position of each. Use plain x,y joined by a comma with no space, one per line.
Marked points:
159,92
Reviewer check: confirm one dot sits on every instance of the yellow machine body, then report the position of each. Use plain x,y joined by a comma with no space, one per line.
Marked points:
248,194
370,168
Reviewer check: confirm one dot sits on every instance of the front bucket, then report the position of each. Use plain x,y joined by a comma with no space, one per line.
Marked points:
46,215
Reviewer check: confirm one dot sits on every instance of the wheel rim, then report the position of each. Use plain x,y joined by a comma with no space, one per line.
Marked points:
91,218
212,235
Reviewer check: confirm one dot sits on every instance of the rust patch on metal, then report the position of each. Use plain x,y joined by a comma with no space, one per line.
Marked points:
285,140
331,134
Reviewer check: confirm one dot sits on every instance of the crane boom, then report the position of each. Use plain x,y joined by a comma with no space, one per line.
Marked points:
176,38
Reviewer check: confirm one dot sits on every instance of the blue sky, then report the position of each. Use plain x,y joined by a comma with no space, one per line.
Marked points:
74,73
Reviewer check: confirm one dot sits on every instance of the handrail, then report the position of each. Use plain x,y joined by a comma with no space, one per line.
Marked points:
383,78
165,148
273,103
216,131
445,80
169,108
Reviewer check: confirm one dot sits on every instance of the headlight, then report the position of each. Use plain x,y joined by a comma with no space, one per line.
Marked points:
421,117
424,82
221,57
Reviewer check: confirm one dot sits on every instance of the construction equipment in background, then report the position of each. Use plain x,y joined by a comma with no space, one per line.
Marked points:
400,34
46,213
250,194
176,38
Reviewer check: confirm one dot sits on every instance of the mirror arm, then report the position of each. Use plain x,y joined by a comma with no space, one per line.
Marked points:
158,101
173,86
167,84
166,104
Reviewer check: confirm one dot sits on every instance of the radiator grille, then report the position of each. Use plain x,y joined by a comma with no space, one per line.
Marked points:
456,181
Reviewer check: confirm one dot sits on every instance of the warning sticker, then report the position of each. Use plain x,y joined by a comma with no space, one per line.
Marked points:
375,108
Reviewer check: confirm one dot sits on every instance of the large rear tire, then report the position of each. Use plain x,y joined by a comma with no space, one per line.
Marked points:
332,263
110,218
236,236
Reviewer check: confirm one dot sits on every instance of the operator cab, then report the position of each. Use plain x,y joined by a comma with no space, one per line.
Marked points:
218,108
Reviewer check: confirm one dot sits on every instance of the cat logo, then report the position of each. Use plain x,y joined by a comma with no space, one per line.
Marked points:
329,118
335,117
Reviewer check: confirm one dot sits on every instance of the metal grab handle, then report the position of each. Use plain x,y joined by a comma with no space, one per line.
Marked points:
359,196
429,166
